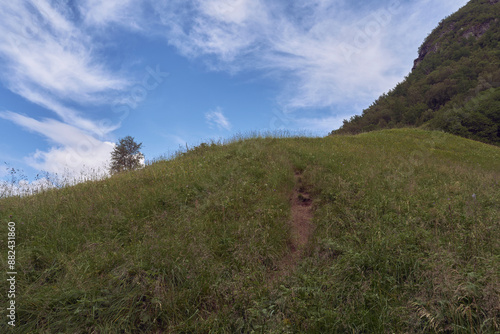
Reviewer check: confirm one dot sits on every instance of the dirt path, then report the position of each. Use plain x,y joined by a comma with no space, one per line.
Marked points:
301,228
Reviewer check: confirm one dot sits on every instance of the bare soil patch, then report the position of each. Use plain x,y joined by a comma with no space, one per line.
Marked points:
300,225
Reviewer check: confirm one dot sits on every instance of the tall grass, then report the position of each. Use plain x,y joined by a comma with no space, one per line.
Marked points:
406,240
17,183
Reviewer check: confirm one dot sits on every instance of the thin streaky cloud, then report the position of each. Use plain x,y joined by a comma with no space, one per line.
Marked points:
50,61
98,13
216,118
51,54
68,115
256,35
72,149
305,43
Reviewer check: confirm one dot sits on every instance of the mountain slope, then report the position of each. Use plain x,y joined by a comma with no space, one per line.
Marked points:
455,82
404,238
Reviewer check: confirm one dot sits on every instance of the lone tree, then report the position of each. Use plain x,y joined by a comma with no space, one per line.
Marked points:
126,155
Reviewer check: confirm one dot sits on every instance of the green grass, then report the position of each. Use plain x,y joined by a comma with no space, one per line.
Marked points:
190,244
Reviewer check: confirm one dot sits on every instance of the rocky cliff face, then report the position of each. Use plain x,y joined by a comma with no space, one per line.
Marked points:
446,30
424,51
432,45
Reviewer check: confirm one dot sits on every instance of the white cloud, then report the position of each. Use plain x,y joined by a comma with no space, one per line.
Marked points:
105,12
215,118
73,150
302,42
42,50
211,27
68,115
329,52
50,61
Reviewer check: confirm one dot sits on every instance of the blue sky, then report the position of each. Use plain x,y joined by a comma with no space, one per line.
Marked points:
79,75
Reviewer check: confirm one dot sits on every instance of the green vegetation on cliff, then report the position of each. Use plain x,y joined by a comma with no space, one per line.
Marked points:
454,85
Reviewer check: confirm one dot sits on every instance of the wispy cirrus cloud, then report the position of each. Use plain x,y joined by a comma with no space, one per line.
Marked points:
302,42
330,53
216,118
69,115
100,13
224,29
43,50
50,61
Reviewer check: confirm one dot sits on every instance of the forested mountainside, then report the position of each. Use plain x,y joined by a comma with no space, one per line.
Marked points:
454,84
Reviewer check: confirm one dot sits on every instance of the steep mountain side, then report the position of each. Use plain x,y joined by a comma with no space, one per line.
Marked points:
454,84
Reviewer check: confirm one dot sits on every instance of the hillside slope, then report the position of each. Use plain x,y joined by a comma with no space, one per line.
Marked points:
455,82
404,237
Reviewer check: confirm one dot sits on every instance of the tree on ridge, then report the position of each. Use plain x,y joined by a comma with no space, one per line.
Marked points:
126,155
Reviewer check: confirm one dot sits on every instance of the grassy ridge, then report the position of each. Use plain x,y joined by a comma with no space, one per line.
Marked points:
406,239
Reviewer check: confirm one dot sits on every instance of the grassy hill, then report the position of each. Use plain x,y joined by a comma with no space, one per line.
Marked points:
454,85
389,231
